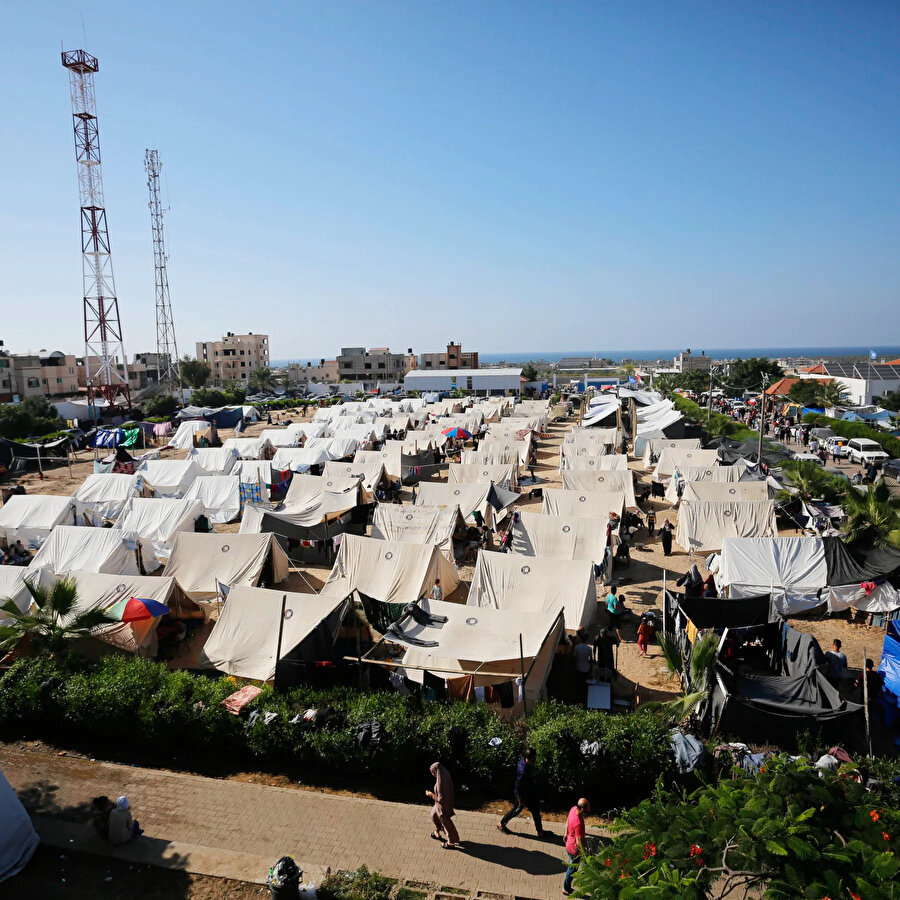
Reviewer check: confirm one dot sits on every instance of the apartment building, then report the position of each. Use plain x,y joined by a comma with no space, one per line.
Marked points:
235,357
375,364
326,372
684,362
452,358
38,375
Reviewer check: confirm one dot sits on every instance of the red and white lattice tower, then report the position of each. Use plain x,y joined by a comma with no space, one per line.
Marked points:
105,365
166,347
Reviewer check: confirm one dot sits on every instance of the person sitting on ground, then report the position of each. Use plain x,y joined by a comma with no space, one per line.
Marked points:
837,661
101,807
122,828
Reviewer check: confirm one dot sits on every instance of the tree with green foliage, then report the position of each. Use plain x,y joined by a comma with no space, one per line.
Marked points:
747,374
529,372
784,833
161,405
234,392
54,619
805,392
873,516
807,482
194,372
33,417
832,393
891,401
694,380
261,379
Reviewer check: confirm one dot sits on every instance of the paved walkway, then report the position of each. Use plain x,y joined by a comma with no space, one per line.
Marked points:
237,830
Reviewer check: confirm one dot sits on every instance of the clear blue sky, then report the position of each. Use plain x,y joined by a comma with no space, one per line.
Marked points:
515,175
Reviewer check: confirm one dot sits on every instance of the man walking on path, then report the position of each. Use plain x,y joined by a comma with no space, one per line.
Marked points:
525,795
575,840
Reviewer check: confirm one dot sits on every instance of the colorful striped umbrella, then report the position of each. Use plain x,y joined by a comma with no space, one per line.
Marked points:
456,433
135,609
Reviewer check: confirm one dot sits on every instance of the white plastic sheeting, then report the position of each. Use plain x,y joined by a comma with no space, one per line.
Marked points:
533,585
299,459
70,548
154,523
704,524
220,496
102,496
337,447
389,571
281,437
244,640
559,537
30,518
250,447
214,460
310,500
183,439
199,562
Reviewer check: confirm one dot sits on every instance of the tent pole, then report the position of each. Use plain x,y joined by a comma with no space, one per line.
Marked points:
866,703
522,667
278,645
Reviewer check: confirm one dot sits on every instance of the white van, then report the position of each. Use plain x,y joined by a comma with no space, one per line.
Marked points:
865,451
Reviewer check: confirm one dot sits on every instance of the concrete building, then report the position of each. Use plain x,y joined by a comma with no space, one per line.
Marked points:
452,358
866,383
375,364
483,382
684,362
326,372
235,357
38,375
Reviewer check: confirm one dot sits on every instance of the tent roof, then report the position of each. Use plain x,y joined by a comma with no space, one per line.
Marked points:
100,487
90,549
389,571
583,503
34,511
468,497
12,587
369,473
559,537
604,480
310,500
158,520
507,581
704,524
220,496
468,473
170,476
671,459
199,561
214,460
725,491
417,525
244,639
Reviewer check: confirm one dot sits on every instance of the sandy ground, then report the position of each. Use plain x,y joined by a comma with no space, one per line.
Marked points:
641,583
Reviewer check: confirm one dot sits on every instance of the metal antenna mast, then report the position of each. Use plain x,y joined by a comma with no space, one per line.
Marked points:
166,347
102,329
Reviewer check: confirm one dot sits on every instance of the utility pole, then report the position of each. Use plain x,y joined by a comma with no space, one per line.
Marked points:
709,398
103,343
167,363
762,419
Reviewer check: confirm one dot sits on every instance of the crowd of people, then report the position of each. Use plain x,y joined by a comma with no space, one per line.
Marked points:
16,554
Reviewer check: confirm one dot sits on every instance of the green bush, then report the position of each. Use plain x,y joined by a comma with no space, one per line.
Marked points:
140,711
359,885
718,425
890,445
161,405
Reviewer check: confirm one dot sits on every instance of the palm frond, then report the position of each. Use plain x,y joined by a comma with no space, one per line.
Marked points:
679,709
671,652
89,620
703,656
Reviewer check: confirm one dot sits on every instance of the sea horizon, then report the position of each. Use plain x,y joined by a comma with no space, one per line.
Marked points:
645,355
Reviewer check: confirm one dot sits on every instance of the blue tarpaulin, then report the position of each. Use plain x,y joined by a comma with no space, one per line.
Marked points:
890,661
108,437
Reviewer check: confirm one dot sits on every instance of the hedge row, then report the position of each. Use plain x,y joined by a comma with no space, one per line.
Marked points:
140,711
719,425
890,445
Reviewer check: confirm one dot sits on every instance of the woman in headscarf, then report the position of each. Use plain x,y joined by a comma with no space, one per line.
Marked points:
122,828
442,813
665,534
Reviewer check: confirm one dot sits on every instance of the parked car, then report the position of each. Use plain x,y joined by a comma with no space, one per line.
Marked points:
836,446
865,451
809,457
822,434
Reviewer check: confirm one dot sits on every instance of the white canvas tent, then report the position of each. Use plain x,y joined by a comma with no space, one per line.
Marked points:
152,524
169,477
721,474
417,525
70,548
722,491
183,439
494,456
244,640
336,447
604,480
299,459
584,462
250,447
504,476
102,591
12,587
468,497
520,450
281,437
200,562
18,839
220,496
533,585
485,647
388,571
559,537
214,460
654,447
597,504
368,473
102,496
670,460
30,518
310,501
704,524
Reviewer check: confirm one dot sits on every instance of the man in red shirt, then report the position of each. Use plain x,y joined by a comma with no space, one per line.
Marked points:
574,839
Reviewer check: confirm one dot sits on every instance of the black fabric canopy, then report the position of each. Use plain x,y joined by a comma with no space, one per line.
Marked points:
730,451
718,613
848,565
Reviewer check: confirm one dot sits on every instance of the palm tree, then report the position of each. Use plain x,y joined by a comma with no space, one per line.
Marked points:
831,394
807,482
261,378
873,516
697,675
54,620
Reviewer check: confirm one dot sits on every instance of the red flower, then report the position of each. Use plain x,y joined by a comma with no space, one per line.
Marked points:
696,850
873,815
649,850
885,835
